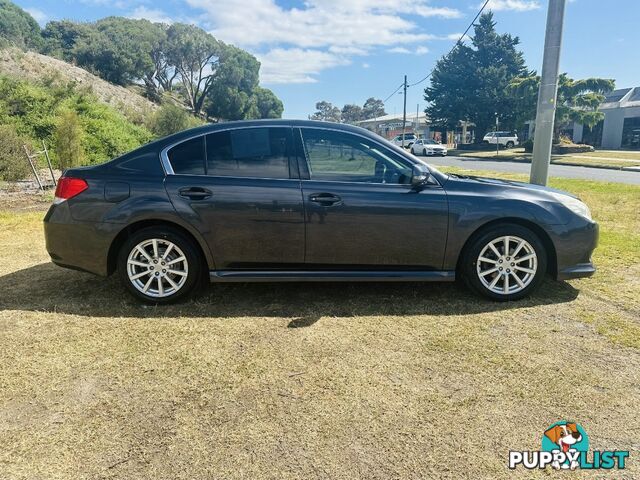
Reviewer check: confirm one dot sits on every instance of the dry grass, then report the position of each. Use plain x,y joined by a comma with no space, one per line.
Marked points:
312,381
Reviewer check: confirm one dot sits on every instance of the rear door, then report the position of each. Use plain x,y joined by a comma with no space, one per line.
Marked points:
361,212
240,189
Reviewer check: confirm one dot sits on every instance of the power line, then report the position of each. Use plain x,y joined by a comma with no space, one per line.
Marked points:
457,43
394,92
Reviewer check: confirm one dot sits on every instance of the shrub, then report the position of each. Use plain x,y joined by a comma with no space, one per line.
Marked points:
13,161
35,111
68,140
171,119
528,145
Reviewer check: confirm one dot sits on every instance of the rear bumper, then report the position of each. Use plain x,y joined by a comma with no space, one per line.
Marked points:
76,245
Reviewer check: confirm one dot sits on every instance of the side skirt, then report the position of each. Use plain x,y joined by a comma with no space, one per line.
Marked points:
330,276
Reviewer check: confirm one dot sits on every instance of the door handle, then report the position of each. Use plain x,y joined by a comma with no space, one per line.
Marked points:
195,193
325,199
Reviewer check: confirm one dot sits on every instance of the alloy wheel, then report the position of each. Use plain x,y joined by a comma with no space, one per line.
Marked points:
507,265
157,267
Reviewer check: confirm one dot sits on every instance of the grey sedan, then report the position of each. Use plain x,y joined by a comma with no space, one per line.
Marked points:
278,200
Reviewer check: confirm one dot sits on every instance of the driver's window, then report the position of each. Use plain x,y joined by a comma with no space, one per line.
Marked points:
343,157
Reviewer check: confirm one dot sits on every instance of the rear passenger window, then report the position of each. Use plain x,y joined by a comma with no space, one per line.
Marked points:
249,152
187,158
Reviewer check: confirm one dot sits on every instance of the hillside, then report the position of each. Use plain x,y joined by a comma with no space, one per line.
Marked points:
34,66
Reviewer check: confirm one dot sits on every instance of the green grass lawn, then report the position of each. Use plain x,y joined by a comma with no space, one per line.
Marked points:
599,158
314,381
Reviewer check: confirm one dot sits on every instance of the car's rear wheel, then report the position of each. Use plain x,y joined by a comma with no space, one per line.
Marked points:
159,265
505,262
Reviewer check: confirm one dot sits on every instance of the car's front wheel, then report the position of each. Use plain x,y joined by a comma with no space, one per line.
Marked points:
510,144
159,265
505,262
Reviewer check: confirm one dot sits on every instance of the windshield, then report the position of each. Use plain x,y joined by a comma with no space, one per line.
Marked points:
430,142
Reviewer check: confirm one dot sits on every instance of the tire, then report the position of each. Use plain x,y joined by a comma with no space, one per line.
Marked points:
424,152
510,144
160,285
488,278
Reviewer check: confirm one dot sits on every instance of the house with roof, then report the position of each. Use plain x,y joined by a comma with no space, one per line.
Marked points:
620,128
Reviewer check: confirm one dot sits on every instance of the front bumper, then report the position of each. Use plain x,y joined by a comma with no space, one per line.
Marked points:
581,270
574,247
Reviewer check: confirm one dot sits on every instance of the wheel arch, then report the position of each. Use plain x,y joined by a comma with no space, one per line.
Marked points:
552,262
120,238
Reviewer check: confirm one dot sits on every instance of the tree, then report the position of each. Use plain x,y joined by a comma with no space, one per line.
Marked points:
267,103
61,37
373,108
578,100
171,119
351,113
118,49
195,55
18,28
327,112
471,83
231,95
68,140
449,89
13,161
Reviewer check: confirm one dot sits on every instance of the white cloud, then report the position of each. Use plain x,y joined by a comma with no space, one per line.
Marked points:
399,50
38,15
296,65
330,31
422,50
444,12
516,5
153,15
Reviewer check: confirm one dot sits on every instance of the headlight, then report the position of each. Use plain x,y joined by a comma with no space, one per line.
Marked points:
573,204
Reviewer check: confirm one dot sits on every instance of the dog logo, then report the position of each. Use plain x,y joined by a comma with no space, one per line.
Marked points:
565,446
567,438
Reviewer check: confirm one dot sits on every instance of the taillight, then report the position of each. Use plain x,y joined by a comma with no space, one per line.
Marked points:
69,187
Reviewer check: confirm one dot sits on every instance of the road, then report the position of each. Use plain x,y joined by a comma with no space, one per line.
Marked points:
565,171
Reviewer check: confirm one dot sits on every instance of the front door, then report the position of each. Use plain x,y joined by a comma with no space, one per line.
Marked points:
240,189
360,209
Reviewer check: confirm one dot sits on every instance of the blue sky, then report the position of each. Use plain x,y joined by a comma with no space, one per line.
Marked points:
345,51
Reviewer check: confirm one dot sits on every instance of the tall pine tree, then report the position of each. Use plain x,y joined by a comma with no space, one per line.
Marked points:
471,83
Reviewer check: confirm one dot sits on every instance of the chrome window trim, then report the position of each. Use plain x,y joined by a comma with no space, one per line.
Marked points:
164,158
366,138
168,169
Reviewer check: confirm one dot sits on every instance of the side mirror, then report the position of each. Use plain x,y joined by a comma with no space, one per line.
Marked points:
419,176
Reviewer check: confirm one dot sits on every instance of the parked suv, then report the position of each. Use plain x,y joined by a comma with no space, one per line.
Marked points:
409,138
304,201
506,139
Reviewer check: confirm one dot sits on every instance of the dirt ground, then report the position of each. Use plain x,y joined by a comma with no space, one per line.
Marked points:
308,381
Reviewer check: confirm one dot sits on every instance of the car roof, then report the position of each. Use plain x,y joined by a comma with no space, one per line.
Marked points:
213,127
162,143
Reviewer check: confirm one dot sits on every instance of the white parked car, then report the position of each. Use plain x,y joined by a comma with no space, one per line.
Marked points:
506,139
409,138
428,147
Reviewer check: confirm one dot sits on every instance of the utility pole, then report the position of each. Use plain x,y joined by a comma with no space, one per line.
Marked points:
404,112
547,94
497,138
